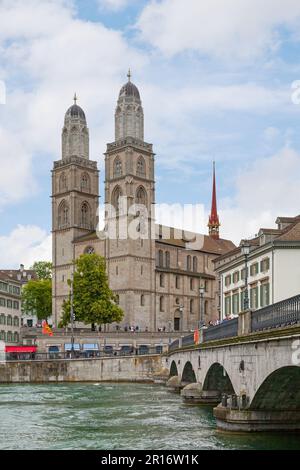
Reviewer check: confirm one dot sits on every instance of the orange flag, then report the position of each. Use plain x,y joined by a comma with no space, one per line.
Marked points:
196,336
46,329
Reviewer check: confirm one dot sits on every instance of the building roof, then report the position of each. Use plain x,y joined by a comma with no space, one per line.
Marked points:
175,238
289,233
18,275
76,112
129,89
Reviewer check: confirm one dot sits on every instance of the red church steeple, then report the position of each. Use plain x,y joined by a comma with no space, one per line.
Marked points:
214,223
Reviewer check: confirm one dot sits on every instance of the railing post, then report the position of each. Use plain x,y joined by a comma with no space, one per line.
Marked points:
244,323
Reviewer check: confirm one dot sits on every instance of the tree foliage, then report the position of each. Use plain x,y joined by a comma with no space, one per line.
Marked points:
43,269
37,298
94,302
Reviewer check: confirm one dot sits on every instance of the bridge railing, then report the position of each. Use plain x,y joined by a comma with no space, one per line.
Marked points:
284,313
20,356
226,329
174,345
187,340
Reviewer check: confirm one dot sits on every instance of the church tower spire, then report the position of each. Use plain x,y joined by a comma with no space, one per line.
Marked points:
129,115
214,223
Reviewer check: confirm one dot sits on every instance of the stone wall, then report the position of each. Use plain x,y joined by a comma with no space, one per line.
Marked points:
118,369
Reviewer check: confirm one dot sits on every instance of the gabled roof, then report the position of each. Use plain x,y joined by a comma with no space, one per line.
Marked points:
208,244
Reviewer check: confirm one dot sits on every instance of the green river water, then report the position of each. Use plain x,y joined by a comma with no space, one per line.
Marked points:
115,416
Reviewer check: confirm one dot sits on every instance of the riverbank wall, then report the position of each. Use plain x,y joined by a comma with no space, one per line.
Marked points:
106,369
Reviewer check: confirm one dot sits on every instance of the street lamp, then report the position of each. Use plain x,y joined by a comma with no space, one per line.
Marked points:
201,295
181,317
245,249
72,314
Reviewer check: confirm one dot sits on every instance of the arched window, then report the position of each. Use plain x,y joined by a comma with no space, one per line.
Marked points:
160,258
2,319
85,182
188,263
142,300
140,167
177,282
162,280
167,259
63,215
117,167
161,304
16,321
195,264
16,337
85,215
141,196
2,335
9,337
192,305
116,195
206,307
9,320
63,182
117,299
191,284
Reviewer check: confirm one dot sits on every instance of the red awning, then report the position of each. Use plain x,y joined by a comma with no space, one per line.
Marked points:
20,349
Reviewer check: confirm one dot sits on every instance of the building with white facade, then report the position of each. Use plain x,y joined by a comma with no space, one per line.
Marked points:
273,269
10,309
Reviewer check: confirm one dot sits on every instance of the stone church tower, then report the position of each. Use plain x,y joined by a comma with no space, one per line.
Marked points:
129,176
75,189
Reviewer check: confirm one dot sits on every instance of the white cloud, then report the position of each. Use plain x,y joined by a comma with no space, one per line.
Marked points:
115,5
223,28
268,188
48,53
25,244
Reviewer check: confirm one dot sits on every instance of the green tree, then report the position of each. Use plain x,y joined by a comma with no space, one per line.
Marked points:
94,302
43,269
37,298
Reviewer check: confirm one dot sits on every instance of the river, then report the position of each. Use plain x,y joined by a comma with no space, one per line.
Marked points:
115,416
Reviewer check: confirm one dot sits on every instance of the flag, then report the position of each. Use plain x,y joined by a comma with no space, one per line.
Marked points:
196,336
46,329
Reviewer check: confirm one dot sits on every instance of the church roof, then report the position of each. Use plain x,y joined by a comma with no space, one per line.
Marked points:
76,111
129,89
208,245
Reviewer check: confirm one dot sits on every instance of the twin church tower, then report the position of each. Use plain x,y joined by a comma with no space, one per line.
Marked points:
156,280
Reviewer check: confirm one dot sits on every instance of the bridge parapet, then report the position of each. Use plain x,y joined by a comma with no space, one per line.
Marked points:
279,315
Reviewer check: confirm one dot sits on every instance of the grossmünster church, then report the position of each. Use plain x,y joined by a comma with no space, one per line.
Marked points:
156,278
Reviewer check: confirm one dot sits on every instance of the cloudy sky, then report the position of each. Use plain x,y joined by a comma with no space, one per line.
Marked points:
217,80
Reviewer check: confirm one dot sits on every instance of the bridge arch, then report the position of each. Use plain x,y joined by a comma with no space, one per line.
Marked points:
280,391
188,374
173,369
217,379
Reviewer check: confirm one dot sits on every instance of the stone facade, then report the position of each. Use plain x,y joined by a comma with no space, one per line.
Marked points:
155,279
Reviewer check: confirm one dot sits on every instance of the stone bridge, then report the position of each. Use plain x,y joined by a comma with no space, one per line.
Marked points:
253,379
